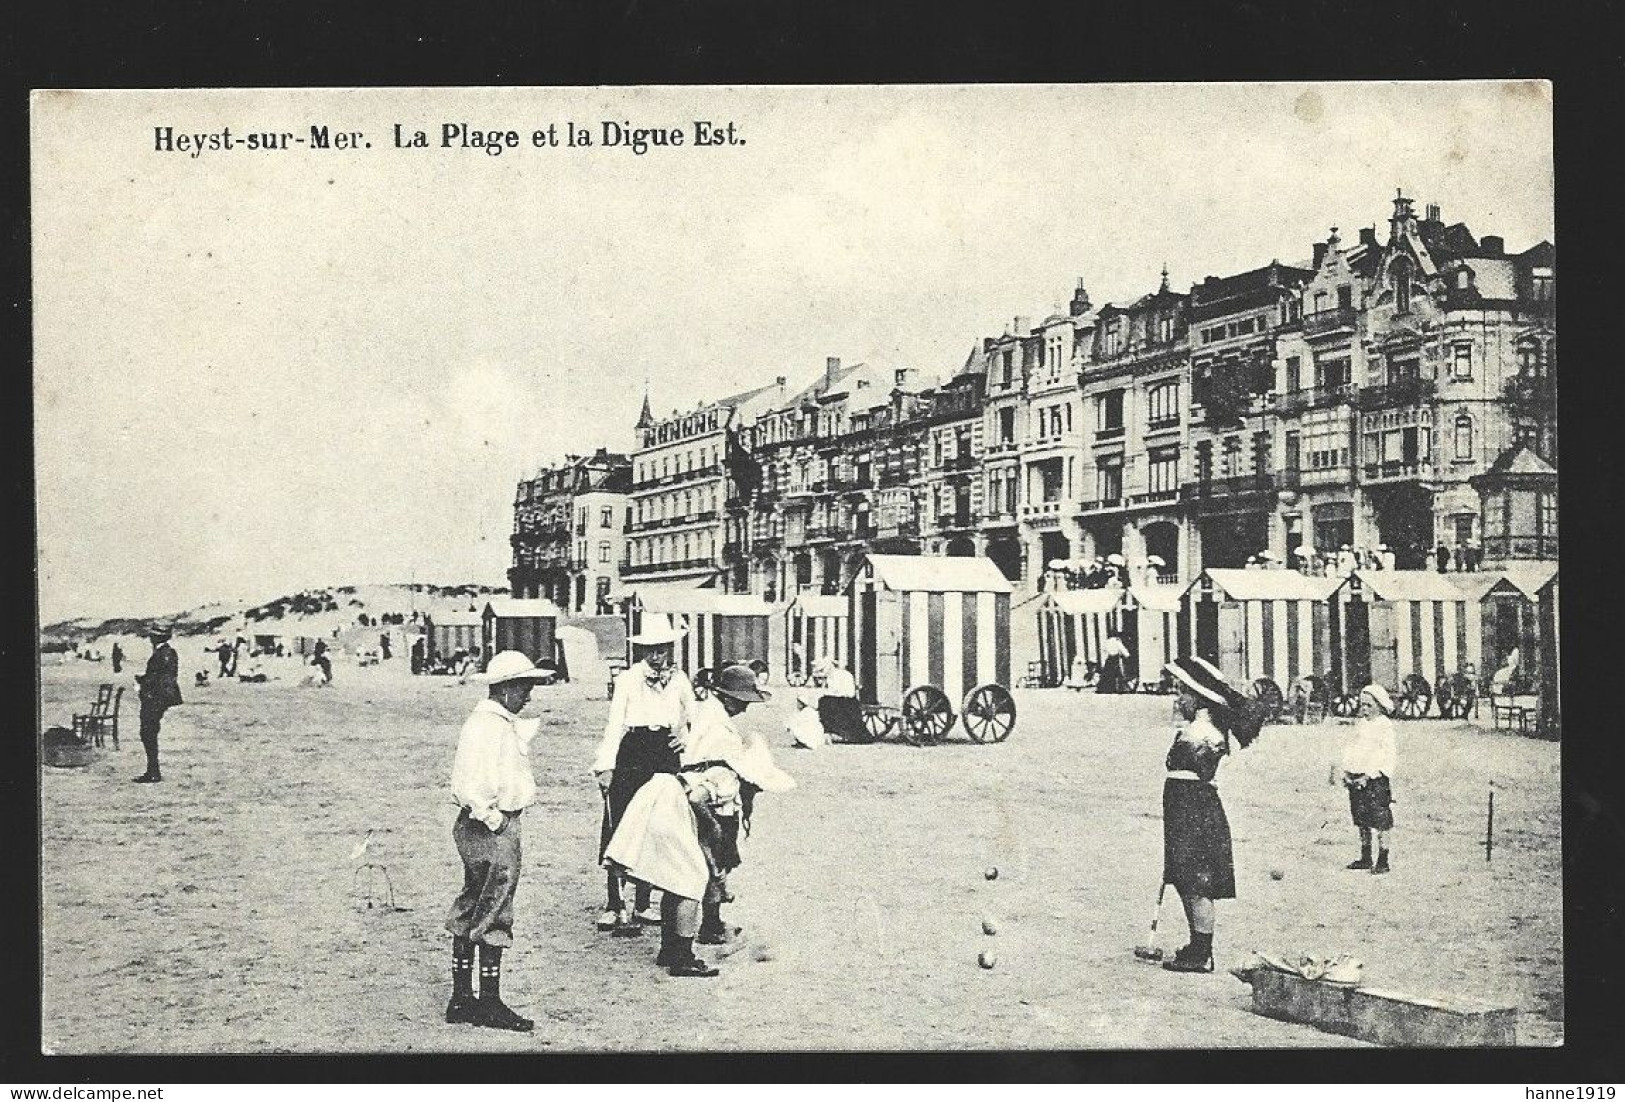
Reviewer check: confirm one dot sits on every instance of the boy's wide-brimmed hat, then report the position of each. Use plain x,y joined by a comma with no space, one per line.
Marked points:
1380,695
511,665
739,682
658,630
1201,678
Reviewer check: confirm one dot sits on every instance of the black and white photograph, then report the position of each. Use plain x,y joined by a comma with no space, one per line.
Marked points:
883,568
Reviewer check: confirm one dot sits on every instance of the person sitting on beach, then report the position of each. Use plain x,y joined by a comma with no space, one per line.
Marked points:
1083,674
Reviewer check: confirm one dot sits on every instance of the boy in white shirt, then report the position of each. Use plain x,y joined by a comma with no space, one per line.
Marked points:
492,783
1366,770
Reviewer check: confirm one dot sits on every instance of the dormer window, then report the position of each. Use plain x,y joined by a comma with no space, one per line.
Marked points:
1464,279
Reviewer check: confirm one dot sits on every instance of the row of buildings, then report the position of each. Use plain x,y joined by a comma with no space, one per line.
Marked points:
1395,391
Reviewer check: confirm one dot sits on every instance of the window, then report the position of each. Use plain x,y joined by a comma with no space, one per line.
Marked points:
1464,437
1528,436
1464,361
1069,417
1546,513
1204,461
1162,402
1109,413
1007,425
1294,372
606,517
1320,302
1109,481
1114,336
1541,284
1009,367
1261,452
1345,297
603,551
1464,279
1165,330
1163,471
1402,285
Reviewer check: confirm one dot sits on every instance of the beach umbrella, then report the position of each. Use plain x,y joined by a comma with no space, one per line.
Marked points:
1115,559
1304,551
1155,560
1057,564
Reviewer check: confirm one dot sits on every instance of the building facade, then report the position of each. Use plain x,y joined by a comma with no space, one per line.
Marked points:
568,530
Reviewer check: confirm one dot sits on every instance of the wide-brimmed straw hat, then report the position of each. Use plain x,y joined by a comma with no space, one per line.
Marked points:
1380,695
658,630
739,682
1201,678
511,665
160,632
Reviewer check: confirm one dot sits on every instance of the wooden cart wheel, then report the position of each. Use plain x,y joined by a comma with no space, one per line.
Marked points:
702,681
1345,705
1456,696
1415,697
1268,693
990,713
927,715
795,679
878,722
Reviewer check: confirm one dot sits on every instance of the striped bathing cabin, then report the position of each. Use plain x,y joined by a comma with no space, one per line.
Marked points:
1154,629
1524,604
527,625
1262,623
451,632
928,620
722,628
1076,622
815,626
1394,623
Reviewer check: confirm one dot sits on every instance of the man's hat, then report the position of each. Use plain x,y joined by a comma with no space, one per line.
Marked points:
1202,679
511,665
658,630
160,632
739,682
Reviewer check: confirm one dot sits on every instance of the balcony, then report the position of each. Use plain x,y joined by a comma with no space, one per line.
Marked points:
890,479
1400,392
1153,497
1042,512
1100,505
1340,475
825,532
953,520
1315,397
1162,424
1520,547
1224,488
1000,447
1397,470
1531,392
961,462
901,528
853,485
630,571
1110,432
1329,321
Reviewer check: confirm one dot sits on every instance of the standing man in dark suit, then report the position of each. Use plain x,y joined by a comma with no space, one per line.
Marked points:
160,691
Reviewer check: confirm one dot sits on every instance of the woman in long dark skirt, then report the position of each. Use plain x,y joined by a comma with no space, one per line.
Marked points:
1196,853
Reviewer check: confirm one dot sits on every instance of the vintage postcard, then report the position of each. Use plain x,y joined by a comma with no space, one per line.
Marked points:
797,568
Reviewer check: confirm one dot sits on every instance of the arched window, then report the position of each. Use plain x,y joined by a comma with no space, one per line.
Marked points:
1464,436
1402,284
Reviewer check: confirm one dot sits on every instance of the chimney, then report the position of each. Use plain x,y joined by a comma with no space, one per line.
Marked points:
1023,325
902,374
1368,236
1493,246
832,367
779,380
1080,300
1320,253
1433,212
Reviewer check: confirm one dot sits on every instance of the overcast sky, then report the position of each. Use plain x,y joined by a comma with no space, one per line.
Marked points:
257,372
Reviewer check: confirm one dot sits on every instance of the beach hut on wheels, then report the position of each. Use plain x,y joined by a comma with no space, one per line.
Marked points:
815,626
721,629
450,632
1151,628
1261,626
1077,622
928,634
528,625
1523,605
1418,633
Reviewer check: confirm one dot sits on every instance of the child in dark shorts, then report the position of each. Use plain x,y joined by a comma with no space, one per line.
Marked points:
1366,770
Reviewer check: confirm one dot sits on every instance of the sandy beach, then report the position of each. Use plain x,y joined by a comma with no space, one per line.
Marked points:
222,911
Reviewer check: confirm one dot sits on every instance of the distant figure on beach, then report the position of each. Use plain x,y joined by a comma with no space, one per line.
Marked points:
160,691
418,648
1441,555
223,653
118,658
383,645
319,657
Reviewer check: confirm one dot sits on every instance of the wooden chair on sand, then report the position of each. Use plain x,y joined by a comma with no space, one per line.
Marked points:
102,719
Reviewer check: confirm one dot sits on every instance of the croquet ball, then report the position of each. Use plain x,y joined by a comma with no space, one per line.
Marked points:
1277,874
991,873
989,927
987,958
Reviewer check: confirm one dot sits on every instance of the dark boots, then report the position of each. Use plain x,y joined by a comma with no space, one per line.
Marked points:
462,1009
1365,854
713,931
1382,862
1195,957
488,1010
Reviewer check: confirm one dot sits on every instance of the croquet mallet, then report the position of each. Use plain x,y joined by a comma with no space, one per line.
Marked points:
1151,952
